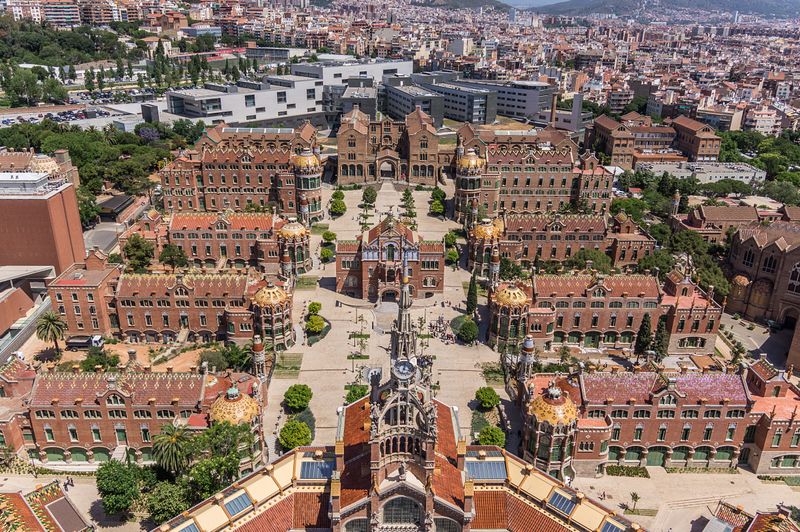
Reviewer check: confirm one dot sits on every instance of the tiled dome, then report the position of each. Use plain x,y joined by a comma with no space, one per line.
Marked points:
234,408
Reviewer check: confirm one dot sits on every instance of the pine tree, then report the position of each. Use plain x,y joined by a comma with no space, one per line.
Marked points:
661,341
644,338
472,295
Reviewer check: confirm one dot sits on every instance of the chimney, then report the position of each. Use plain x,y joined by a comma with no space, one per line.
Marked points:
169,369
462,453
76,368
147,368
131,356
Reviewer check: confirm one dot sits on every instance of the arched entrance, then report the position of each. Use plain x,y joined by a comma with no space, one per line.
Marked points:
389,295
656,456
790,318
387,170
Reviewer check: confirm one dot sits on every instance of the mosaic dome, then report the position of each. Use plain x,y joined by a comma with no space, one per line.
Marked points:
488,229
511,296
555,408
305,160
471,161
292,229
234,408
270,295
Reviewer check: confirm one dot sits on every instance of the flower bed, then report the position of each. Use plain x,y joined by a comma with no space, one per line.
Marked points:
627,471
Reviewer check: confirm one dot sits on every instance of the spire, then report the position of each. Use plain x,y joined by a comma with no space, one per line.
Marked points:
404,337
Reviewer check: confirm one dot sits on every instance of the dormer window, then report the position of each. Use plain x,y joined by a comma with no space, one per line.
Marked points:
114,400
668,400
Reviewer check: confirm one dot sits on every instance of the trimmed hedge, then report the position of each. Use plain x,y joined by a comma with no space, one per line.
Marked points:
627,471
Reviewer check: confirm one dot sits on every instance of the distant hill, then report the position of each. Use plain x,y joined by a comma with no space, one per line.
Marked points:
467,4
627,7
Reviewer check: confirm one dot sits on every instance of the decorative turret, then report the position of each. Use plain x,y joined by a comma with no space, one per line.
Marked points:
404,336
259,358
676,202
494,267
305,218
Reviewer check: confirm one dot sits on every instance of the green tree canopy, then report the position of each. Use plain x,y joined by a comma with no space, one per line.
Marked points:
165,501
487,398
314,307
97,356
437,208
369,195
117,484
51,328
338,207
297,397
661,340
468,332
580,260
326,254
437,194
172,448
173,256
472,294
492,436
356,392
328,236
294,434
315,324
210,475
644,338
139,253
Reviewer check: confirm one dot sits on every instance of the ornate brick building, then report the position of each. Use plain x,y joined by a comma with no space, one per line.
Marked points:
398,463
594,311
714,222
372,266
764,267
407,151
578,424
240,239
231,168
525,171
529,238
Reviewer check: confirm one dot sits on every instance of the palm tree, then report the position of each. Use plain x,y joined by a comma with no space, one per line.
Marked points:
51,328
634,498
171,448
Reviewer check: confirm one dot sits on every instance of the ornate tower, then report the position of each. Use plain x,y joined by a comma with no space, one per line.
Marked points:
494,268
549,431
259,358
469,171
404,336
308,182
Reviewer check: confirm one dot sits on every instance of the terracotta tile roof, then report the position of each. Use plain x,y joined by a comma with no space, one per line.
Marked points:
347,246
15,514
785,234
772,522
431,246
355,478
527,222
54,510
278,518
16,370
187,388
737,213
689,123
490,510
311,510
382,228
733,516
500,510
783,408
620,387
239,221
764,369
617,285
206,285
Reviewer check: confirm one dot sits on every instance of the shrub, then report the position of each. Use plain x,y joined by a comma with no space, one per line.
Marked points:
314,307
294,434
468,332
369,195
214,358
315,324
328,236
452,256
337,194
627,471
450,239
326,254
487,397
492,436
297,397
356,392
338,207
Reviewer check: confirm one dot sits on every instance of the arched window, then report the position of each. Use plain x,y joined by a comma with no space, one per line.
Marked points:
770,264
446,525
402,510
357,525
794,279
748,258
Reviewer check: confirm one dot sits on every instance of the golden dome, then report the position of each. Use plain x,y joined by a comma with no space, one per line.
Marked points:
741,280
511,296
621,217
292,229
234,408
305,160
471,161
43,164
488,229
557,408
270,295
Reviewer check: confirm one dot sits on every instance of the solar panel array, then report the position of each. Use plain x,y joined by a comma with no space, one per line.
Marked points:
486,470
238,504
489,454
612,527
561,503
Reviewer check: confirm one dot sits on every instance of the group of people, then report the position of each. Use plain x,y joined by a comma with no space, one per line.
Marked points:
441,329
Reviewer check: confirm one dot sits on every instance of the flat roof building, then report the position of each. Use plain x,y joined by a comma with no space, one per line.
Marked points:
402,97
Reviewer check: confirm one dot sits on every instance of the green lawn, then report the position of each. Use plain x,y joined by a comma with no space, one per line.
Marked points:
481,290
318,229
306,282
287,365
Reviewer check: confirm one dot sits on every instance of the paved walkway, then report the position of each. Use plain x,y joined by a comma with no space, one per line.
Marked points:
685,501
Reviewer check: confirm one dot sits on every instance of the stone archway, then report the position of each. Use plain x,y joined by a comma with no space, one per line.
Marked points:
387,170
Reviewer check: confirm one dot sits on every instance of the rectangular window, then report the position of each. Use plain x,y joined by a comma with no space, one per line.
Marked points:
662,434
145,434
685,433
637,434
48,435
96,435
73,434
707,433
776,439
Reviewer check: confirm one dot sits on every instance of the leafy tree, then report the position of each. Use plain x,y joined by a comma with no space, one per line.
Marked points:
326,254
315,324
173,256
53,91
297,397
328,236
222,439
580,260
294,434
644,338
450,239
661,340
492,436
338,207
688,242
437,194
509,269
117,484
171,448
114,258
487,397
661,259
472,294
214,359
452,256
51,328
165,501
88,80
369,195
210,475
139,253
97,356
661,232
314,307
356,392
468,332
437,208
23,88
338,194
633,207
